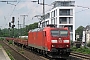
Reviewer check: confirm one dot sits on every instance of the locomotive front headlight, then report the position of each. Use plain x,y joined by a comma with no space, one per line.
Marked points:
67,45
66,41
54,41
53,45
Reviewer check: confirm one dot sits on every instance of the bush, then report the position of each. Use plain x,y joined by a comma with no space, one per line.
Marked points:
1,38
10,42
81,50
73,48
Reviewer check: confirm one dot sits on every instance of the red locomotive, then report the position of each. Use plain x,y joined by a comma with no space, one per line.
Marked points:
51,41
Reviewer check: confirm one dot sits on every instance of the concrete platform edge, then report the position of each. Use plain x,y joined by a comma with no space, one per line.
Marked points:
7,57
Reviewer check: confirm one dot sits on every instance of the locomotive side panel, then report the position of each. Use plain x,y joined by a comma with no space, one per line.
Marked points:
36,40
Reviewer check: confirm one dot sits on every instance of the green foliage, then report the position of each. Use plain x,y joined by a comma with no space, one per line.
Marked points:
73,48
9,54
1,38
22,52
32,26
83,50
79,31
0,46
10,42
17,32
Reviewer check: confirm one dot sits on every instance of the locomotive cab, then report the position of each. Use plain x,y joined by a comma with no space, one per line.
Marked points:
58,41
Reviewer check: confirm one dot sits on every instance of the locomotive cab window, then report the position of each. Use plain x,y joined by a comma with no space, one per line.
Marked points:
54,32
59,32
63,33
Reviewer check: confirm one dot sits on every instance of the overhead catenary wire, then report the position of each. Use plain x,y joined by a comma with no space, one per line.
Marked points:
75,12
12,11
15,7
82,6
30,10
35,7
82,10
85,8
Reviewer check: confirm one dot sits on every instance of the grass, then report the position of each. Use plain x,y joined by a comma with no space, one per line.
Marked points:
8,51
9,54
83,50
0,45
10,42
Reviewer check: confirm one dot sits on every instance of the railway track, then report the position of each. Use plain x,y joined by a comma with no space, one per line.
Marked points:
31,56
80,56
16,55
26,53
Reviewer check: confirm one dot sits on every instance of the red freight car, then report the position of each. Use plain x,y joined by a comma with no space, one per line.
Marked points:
18,41
51,41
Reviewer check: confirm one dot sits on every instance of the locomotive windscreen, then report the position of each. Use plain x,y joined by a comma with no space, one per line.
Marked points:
59,32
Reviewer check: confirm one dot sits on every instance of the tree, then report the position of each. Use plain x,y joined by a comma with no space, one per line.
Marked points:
79,31
22,31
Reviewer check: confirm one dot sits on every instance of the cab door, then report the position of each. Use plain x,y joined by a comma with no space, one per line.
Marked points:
44,40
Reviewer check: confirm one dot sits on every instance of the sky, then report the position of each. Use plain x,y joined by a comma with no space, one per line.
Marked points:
26,7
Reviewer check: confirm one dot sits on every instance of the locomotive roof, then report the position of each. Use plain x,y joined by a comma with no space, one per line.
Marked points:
37,29
41,29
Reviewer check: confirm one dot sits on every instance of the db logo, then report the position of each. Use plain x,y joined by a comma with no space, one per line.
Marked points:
60,41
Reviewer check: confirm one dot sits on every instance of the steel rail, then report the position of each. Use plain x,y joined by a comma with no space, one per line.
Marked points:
80,55
24,57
